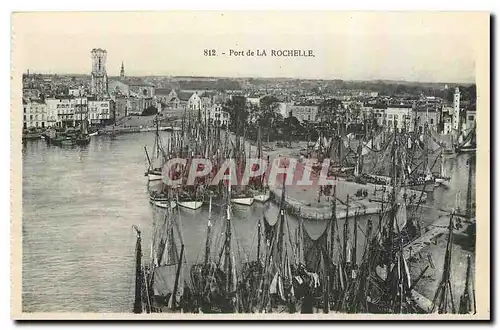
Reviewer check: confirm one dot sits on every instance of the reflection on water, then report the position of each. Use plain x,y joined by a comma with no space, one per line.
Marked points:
79,205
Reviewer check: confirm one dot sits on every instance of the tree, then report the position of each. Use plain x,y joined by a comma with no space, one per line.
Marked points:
269,117
292,128
328,110
238,113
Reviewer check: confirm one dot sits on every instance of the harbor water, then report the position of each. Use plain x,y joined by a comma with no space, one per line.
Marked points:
79,206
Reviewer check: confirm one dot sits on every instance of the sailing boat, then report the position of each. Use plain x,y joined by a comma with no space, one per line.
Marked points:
467,142
164,278
214,281
276,288
263,193
154,171
441,179
83,138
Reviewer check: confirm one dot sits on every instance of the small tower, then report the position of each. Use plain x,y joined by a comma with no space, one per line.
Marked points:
99,77
122,71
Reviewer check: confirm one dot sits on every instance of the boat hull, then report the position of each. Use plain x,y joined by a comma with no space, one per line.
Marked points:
82,142
165,205
154,177
262,198
192,205
243,201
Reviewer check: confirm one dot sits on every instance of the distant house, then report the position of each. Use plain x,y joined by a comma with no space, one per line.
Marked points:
446,118
216,115
400,115
190,101
427,116
131,87
168,97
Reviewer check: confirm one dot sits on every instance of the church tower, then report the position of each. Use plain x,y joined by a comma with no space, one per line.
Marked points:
122,71
99,77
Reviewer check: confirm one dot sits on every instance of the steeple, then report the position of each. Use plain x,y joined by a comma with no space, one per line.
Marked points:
122,71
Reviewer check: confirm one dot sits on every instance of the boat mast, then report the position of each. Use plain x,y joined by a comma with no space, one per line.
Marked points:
346,230
209,234
138,273
177,275
444,293
228,260
334,221
468,207
258,240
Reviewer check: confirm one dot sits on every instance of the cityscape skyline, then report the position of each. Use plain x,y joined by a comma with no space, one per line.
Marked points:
434,49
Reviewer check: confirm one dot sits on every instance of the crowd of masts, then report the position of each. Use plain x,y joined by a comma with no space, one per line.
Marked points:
290,273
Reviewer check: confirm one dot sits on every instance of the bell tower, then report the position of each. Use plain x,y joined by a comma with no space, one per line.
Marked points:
99,77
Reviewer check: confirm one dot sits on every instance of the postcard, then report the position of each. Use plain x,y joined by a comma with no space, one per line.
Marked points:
250,165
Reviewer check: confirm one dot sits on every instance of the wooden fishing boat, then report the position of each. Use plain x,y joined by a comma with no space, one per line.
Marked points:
31,136
155,164
190,204
165,204
263,196
68,141
160,284
82,140
243,200
215,280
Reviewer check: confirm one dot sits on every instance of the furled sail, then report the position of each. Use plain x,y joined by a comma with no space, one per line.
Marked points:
313,249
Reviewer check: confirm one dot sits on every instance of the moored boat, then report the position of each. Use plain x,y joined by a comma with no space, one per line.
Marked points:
190,204
262,197
243,200
165,204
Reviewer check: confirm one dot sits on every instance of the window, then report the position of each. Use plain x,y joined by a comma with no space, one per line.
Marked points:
432,121
31,117
389,116
471,117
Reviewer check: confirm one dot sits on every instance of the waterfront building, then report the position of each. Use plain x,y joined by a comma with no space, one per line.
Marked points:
98,76
34,114
99,111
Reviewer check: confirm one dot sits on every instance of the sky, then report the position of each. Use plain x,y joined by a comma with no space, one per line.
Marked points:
430,47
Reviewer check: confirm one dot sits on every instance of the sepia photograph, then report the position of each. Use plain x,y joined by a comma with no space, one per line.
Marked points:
268,165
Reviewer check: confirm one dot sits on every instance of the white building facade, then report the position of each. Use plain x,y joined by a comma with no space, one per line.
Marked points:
401,116
35,114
